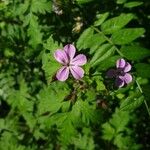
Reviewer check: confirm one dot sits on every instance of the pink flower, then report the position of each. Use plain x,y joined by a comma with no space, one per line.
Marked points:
121,73
71,63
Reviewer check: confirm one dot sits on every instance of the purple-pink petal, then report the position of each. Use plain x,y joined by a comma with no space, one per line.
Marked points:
111,73
70,51
120,63
77,72
127,67
119,82
79,60
61,57
62,73
127,78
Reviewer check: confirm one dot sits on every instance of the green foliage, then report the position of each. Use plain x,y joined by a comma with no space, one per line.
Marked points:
33,31
116,23
41,6
132,102
39,112
103,53
143,70
101,18
125,36
85,38
51,98
121,1
113,131
10,142
133,4
110,63
84,141
83,1
118,123
135,52
50,65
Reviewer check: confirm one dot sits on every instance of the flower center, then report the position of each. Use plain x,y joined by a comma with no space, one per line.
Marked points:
120,72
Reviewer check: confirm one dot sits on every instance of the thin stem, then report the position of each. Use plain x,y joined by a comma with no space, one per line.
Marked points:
145,102
146,105
108,40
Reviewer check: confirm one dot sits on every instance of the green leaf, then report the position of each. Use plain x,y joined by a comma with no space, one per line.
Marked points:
100,86
2,124
9,141
66,106
8,52
116,125
22,8
121,1
30,120
143,70
66,136
21,99
135,52
83,1
52,45
95,42
34,31
101,18
116,23
6,84
41,6
118,122
108,131
133,4
125,36
125,142
84,38
84,140
49,64
100,51
132,102
90,95
51,98
102,54
111,62
84,111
